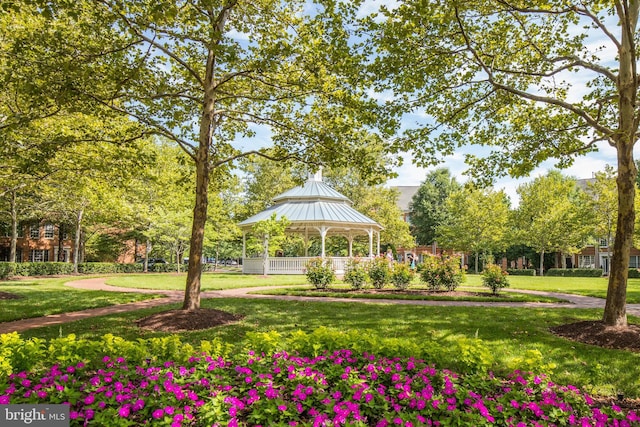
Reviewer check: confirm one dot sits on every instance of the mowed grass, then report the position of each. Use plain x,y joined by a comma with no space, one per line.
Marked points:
343,291
209,281
587,286
508,332
43,297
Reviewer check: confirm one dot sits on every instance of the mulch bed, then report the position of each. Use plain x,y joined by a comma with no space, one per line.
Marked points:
187,320
598,334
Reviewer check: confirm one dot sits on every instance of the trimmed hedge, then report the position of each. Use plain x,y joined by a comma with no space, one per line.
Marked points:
8,269
634,273
108,267
521,271
575,272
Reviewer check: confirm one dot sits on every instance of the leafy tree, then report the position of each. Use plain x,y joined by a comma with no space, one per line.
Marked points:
553,215
271,232
427,208
200,73
477,222
501,73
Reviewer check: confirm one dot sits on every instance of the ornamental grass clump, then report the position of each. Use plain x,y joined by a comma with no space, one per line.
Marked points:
337,388
320,273
494,278
401,275
379,272
355,273
443,271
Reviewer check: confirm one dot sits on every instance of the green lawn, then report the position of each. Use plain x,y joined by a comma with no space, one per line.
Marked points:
210,281
42,297
508,332
343,291
588,286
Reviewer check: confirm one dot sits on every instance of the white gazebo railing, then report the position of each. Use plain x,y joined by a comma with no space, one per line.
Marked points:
286,265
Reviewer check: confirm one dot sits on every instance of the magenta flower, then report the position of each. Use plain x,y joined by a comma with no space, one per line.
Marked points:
124,411
158,413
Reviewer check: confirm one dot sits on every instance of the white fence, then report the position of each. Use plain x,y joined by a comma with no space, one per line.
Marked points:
286,265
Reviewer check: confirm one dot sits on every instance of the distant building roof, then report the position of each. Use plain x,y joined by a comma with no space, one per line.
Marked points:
406,193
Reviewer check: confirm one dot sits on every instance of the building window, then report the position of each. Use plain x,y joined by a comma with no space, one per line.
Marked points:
34,231
603,243
39,255
49,231
634,261
586,261
5,230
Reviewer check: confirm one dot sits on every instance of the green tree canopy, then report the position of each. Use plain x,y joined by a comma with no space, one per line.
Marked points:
553,215
529,80
476,221
427,209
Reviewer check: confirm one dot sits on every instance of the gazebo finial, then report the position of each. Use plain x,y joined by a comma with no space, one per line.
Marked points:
316,176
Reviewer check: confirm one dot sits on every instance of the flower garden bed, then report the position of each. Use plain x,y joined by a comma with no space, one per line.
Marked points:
337,388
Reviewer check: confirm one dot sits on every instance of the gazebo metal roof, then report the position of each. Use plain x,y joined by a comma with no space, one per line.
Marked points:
315,204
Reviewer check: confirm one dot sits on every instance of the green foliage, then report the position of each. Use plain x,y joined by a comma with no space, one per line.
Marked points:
441,272
494,278
521,271
319,272
34,269
108,267
476,222
379,272
575,272
355,273
634,273
18,354
427,208
401,275
7,270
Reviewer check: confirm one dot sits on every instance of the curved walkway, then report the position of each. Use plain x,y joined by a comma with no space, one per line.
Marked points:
172,297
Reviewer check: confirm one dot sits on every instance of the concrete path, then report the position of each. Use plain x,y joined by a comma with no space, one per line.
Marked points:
172,297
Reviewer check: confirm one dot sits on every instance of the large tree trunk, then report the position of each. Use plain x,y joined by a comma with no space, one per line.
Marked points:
14,228
208,124
194,272
615,311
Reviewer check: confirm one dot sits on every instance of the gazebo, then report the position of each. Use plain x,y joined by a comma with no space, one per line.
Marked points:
311,209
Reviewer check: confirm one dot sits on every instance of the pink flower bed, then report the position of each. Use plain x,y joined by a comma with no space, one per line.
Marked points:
336,389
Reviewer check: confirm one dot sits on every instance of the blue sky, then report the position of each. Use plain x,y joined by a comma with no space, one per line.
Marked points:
584,167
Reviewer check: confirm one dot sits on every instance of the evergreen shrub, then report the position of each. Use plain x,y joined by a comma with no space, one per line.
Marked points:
521,271
575,272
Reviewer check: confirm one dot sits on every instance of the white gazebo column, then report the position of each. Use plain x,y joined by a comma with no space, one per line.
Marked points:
378,250
306,241
370,233
350,240
323,235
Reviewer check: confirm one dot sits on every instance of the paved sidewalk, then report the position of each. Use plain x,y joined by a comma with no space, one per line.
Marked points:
172,297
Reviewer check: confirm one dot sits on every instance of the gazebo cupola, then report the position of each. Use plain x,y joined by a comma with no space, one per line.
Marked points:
312,209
